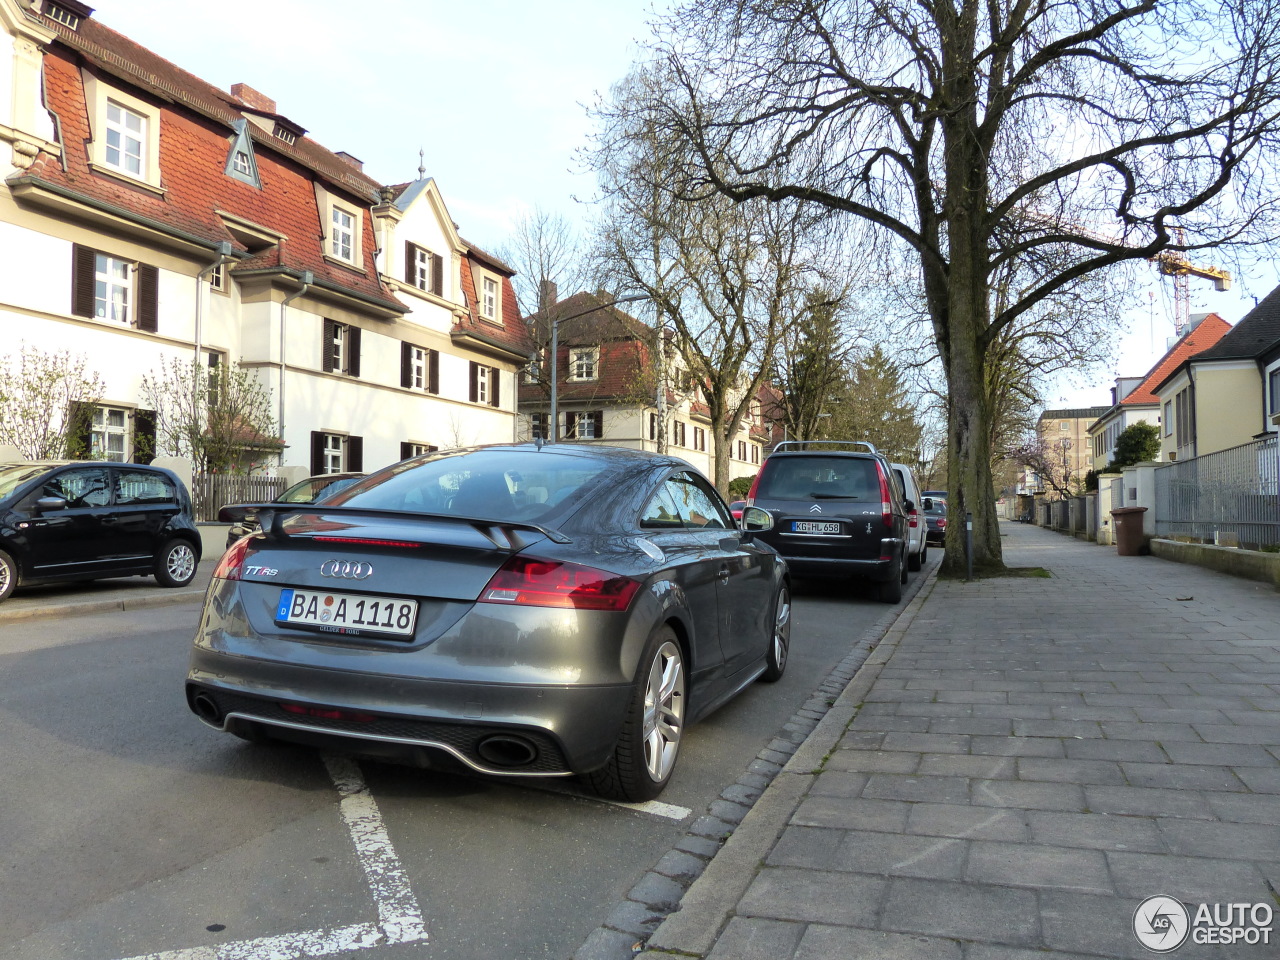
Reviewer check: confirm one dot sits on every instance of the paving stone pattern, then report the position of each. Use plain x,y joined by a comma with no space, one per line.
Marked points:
1035,758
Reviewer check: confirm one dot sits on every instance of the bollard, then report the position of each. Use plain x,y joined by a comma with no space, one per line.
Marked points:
968,541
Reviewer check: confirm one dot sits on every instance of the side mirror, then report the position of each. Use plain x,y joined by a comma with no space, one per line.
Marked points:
927,504
756,520
908,505
48,504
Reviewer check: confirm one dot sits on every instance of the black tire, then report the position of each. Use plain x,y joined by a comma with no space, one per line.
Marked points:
890,591
780,640
646,752
924,554
8,575
916,560
905,564
176,563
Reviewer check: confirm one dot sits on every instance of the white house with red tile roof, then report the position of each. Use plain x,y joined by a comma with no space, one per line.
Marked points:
149,216
1134,400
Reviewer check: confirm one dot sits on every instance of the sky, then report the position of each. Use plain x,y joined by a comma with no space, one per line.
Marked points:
493,94
495,98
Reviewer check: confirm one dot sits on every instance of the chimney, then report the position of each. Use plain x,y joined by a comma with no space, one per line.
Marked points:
350,160
252,98
548,294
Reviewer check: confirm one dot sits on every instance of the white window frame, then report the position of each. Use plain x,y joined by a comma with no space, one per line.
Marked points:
422,269
584,363
130,148
240,163
342,233
417,449
418,368
62,15
584,426
488,298
340,348
106,306
328,205
101,431
482,383
98,95
218,278
335,453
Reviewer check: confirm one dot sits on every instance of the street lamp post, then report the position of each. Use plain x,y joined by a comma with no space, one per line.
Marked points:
555,350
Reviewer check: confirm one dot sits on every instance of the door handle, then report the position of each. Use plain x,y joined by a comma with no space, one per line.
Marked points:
723,574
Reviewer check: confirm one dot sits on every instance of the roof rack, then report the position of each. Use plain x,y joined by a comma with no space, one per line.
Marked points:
807,444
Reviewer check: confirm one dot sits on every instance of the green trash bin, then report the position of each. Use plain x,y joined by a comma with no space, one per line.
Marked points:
1128,527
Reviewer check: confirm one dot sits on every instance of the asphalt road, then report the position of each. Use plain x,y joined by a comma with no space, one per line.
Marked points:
132,830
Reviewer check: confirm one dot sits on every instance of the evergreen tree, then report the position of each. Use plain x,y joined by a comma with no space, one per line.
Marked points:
875,405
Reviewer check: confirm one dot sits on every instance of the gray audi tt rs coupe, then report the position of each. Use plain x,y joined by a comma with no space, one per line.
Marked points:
523,610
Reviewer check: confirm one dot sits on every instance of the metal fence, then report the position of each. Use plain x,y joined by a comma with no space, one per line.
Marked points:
1226,497
210,491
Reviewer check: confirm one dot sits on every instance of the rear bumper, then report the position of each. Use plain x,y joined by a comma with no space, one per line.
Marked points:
565,730
874,570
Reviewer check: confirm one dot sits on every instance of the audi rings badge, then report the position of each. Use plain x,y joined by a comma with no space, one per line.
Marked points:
346,569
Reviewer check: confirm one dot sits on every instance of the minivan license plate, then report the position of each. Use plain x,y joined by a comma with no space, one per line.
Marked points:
346,612
814,526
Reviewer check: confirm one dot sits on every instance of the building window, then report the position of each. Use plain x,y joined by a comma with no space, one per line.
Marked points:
341,347
533,371
419,368
1273,390
342,235
1064,426
755,454
424,269
588,425
583,363
336,453
411,448
742,450
217,277
213,365
538,426
677,433
126,136
699,439
489,298
653,426
1168,418
240,163
484,384
111,286
282,132
62,15
109,436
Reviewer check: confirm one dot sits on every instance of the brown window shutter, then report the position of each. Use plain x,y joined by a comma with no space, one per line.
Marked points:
598,416
353,351
148,293
433,371
437,274
355,454
410,268
83,265
494,399
406,365
570,426
144,436
329,329
475,381
317,450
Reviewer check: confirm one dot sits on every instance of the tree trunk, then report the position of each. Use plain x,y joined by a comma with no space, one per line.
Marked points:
720,447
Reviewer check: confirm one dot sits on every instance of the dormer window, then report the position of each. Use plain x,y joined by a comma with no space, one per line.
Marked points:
126,140
489,299
284,133
342,235
240,162
63,15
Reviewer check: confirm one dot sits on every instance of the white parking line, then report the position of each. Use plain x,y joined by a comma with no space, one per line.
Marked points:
399,916
654,808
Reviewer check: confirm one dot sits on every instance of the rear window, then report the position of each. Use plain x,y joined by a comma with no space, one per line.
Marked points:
938,508
819,478
490,485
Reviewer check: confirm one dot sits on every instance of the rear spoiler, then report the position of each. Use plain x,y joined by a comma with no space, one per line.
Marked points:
272,516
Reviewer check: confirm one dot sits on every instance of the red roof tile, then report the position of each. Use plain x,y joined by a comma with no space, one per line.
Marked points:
1203,336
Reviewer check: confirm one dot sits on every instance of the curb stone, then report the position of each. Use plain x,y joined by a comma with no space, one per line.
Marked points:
723,849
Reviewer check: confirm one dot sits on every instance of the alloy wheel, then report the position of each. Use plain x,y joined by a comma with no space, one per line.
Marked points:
181,562
663,711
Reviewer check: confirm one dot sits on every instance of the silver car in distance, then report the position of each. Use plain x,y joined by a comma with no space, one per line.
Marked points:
522,610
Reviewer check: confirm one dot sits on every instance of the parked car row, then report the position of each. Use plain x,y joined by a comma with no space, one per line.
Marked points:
841,509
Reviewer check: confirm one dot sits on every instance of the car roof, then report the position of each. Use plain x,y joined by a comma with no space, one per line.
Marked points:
585,451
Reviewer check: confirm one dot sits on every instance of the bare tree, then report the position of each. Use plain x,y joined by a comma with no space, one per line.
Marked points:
546,253
979,132
46,400
220,419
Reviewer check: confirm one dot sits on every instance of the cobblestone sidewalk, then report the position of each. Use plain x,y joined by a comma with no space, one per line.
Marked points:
1019,765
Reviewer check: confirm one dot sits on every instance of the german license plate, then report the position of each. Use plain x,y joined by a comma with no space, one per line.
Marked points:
346,612
814,526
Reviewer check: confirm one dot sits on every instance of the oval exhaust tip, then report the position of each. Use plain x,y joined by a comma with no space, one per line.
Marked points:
504,750
206,708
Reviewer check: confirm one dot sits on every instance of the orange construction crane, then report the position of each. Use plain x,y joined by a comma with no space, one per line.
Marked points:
1174,263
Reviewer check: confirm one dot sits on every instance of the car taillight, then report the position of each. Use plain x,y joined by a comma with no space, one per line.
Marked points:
228,567
327,713
942,523
528,581
913,519
886,508
755,482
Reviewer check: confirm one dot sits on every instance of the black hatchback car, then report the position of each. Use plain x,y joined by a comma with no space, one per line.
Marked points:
838,511
73,520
